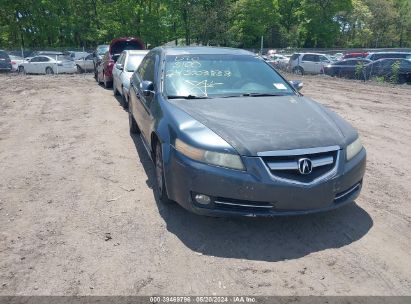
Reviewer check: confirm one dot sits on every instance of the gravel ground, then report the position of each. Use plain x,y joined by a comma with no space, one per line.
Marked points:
78,215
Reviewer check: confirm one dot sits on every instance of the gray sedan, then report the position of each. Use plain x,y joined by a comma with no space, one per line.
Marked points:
230,136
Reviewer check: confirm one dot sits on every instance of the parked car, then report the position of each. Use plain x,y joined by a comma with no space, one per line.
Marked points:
355,55
307,63
98,56
385,68
125,66
105,68
48,65
350,68
382,55
15,62
279,61
230,136
5,62
85,64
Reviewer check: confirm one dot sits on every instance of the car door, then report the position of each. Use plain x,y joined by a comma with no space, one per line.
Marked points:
88,62
141,108
309,62
38,66
116,71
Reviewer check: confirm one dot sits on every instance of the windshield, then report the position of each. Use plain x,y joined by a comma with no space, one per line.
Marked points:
101,50
133,62
207,75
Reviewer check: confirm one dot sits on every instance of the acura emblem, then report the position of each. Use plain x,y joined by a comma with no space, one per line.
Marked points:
305,166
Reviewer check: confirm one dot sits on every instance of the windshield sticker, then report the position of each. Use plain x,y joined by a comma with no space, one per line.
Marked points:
198,73
280,86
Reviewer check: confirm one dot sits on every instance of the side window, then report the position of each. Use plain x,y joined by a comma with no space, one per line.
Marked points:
308,57
44,59
146,69
89,57
35,59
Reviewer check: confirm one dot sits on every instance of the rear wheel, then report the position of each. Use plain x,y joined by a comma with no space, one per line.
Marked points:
49,71
107,83
158,161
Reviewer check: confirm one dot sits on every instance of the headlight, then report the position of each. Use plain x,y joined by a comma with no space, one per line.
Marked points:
214,158
354,148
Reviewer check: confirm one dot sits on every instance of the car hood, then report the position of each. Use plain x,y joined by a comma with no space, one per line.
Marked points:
257,124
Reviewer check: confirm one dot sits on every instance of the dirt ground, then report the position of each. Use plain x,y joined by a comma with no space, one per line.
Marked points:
78,215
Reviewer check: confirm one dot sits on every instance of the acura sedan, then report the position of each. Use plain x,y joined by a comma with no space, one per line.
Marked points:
230,136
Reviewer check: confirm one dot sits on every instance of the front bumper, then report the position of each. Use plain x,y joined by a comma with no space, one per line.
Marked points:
237,192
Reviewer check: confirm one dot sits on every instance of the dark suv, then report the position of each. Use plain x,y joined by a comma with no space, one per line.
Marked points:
105,68
5,62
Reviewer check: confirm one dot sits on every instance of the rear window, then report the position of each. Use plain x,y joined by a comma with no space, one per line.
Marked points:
390,55
120,46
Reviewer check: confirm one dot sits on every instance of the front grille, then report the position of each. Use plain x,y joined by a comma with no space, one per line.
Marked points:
285,164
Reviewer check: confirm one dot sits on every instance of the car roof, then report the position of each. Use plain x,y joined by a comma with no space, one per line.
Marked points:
136,52
204,50
313,54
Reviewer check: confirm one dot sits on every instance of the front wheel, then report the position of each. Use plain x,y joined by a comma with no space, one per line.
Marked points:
158,161
79,69
124,99
132,124
298,71
22,70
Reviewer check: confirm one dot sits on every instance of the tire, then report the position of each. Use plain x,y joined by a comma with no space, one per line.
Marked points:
124,100
22,70
79,69
298,71
132,124
115,91
49,71
159,170
107,84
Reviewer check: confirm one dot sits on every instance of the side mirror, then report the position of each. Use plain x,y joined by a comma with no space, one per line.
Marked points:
298,85
147,87
119,66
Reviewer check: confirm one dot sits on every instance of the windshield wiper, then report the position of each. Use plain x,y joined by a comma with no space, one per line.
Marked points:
261,94
187,97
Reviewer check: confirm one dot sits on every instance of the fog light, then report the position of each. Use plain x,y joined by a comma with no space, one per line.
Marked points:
202,199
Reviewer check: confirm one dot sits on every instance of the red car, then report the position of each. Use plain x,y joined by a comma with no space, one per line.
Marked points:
355,55
105,66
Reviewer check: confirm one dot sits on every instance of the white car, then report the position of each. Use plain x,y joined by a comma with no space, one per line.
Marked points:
126,64
48,65
308,63
85,64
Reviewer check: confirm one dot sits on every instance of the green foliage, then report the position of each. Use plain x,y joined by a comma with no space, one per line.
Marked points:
359,69
240,23
395,69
